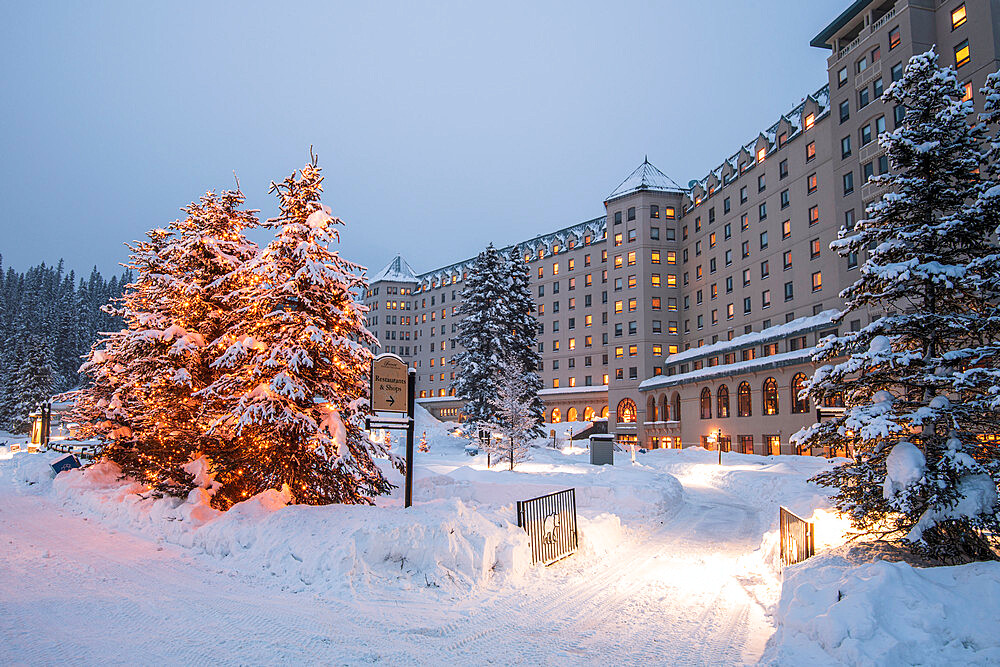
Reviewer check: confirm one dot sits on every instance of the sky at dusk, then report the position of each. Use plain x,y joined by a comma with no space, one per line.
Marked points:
441,126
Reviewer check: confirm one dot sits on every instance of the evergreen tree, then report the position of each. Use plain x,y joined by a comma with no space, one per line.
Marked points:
297,365
512,409
921,413
483,333
520,305
146,396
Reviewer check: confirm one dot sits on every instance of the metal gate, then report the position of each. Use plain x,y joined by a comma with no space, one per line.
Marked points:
550,522
798,537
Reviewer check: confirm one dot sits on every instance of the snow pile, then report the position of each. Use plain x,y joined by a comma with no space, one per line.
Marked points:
904,466
886,613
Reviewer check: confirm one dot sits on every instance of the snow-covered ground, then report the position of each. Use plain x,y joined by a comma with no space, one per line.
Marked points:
677,565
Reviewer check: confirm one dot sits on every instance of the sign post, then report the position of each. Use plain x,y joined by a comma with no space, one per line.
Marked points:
393,390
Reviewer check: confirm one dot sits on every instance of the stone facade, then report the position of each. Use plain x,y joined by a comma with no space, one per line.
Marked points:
678,297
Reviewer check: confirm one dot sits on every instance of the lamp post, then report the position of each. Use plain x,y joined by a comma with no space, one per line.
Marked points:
715,439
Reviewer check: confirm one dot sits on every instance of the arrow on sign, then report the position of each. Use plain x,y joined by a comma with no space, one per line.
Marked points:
390,399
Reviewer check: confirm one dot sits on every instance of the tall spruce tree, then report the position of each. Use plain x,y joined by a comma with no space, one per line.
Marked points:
296,371
499,325
919,382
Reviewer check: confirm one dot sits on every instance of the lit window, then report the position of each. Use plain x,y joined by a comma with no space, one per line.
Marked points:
810,150
958,16
572,343
555,383
810,121
962,53
618,306
604,379
671,257
817,281
633,350
655,259
813,215
668,213
761,153
655,279
657,350
894,38
631,282
619,352
572,264
967,87
618,239
631,305
631,258
811,183
671,280
618,261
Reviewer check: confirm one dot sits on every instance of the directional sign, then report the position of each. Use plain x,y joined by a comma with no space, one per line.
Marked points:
390,388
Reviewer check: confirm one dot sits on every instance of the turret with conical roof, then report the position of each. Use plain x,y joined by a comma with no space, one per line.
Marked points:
646,178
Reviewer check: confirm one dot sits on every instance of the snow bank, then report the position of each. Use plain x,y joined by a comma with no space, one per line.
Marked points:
886,613
442,544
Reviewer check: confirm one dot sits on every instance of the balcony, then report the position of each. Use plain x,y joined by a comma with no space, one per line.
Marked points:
866,33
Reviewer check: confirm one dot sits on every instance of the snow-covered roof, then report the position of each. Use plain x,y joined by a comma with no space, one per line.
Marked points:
397,271
777,332
728,370
572,390
646,177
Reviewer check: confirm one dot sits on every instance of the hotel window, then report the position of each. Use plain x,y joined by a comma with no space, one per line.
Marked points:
786,229
879,125
789,291
765,269
654,233
845,110
631,236
864,97
762,211
671,257
588,280
631,258
761,152
618,239
782,138
958,16
765,299
541,272
746,305
713,291
898,114
715,316
810,150
761,183
730,311
618,261
746,249
894,38
746,277
633,350
763,240
841,77
631,213
655,303
588,320
729,284
711,240
725,205
817,281
787,259
729,257
618,306
814,249
861,65
572,343
783,169
619,352
845,147
745,221
672,303
896,71
848,183
668,212
784,199
811,183
631,305
571,263
727,231
967,87
655,257
671,280
878,87
810,121
743,195
555,383
876,54
657,350
671,327
867,171
618,217
711,215
813,215
697,224
962,53
631,282
697,272
654,212
555,269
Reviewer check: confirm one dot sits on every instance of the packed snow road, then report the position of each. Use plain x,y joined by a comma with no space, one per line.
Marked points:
674,567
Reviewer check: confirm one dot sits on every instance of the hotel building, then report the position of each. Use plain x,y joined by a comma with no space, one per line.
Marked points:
687,315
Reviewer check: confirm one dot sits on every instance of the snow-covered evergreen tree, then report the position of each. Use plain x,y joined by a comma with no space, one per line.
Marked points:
483,334
145,396
920,382
499,323
297,365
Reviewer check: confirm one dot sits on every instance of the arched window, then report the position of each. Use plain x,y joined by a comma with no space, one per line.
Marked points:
676,400
626,411
743,406
723,402
799,405
571,415
706,403
664,408
770,396
556,416
588,414
651,409
604,412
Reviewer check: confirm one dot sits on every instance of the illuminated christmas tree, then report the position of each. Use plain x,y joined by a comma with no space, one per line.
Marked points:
297,365
144,396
